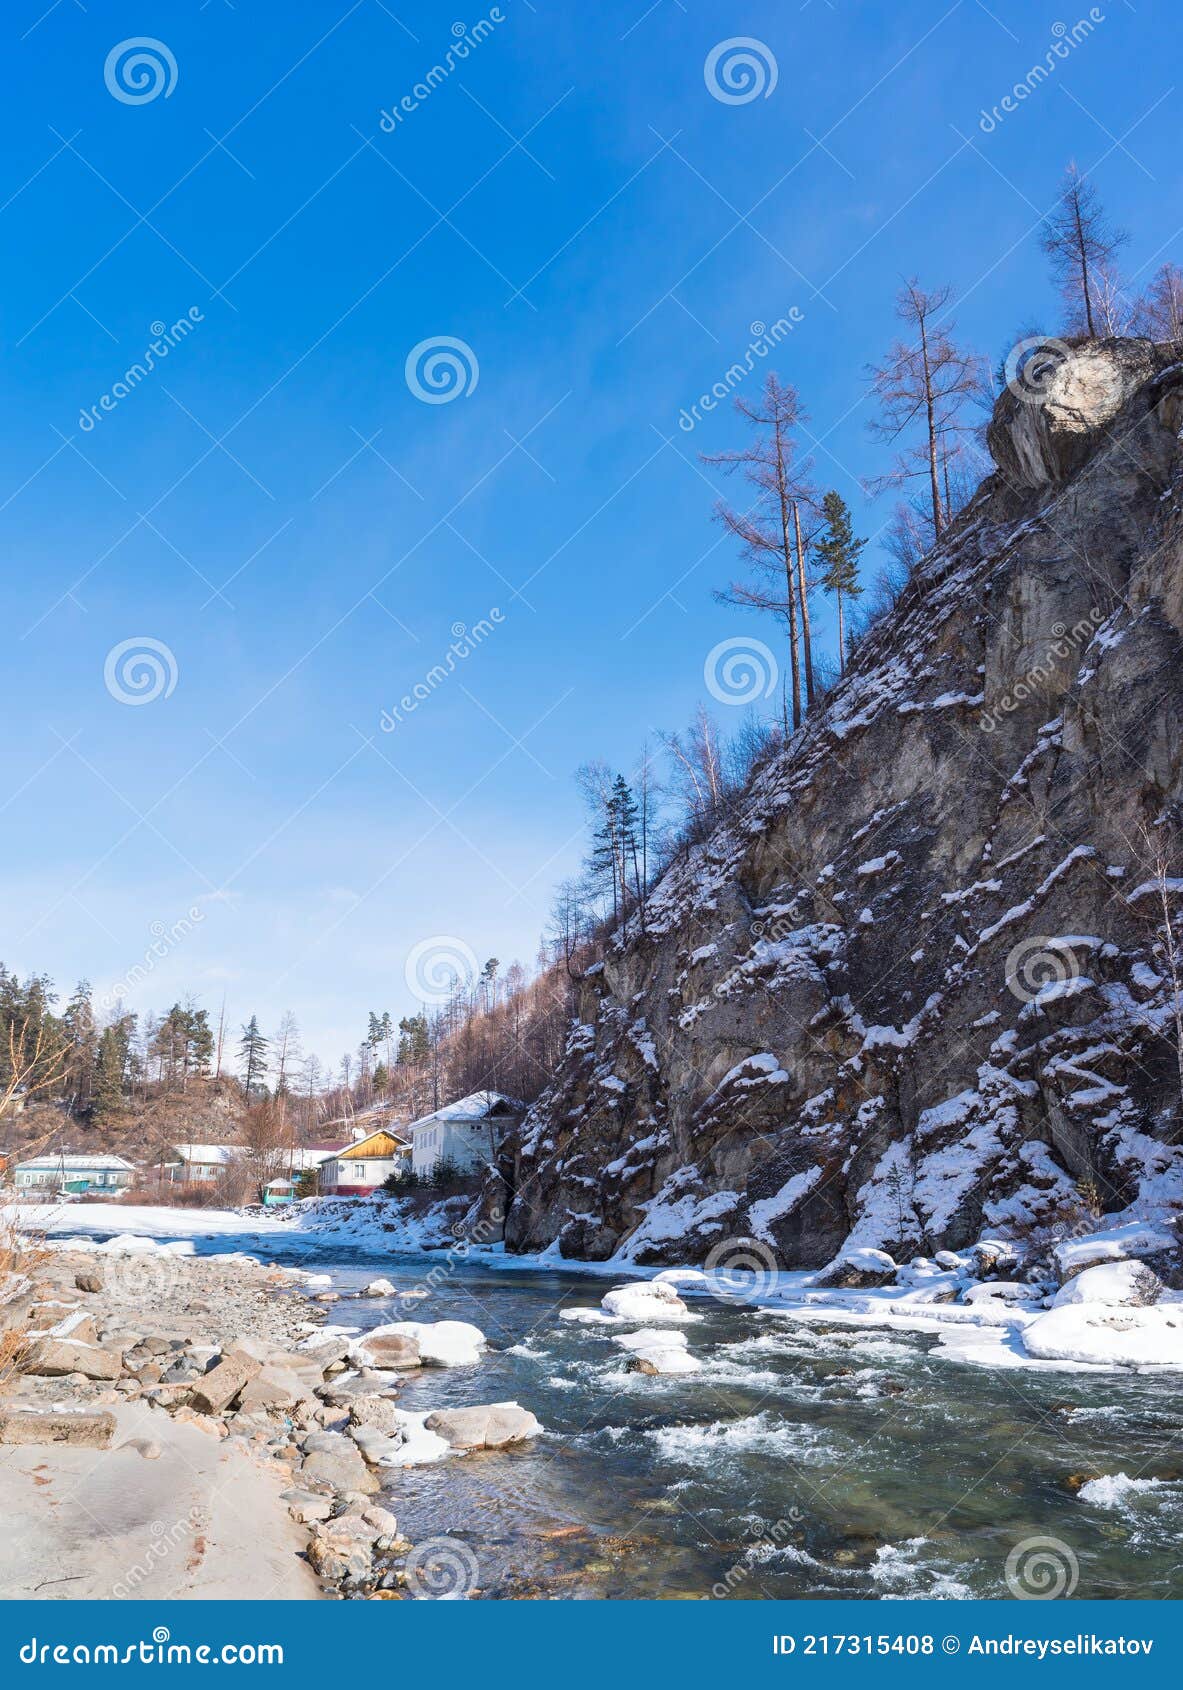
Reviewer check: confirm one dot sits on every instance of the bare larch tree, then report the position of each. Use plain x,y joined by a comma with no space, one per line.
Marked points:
1083,249
770,529
924,381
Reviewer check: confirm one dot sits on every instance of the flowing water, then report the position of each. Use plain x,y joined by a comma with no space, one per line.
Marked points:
804,1461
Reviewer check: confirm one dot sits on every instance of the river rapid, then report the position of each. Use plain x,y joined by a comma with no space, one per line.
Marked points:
804,1461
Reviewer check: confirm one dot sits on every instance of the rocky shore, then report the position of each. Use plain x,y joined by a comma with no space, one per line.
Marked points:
176,1425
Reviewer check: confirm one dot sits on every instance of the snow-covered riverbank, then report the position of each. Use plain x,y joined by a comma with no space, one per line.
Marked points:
1101,1305
808,1447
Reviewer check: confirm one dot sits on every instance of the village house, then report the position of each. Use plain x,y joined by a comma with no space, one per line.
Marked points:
202,1163
62,1173
466,1134
310,1158
363,1166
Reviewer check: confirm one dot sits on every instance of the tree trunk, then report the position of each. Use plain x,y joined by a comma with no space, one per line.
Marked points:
794,652
934,479
841,638
805,628
1084,265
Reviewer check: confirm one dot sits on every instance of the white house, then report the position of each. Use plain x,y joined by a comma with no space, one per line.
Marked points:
362,1167
100,1174
201,1163
467,1133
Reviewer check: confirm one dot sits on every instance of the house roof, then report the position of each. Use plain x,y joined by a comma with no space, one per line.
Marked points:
379,1146
218,1154
477,1106
309,1156
72,1163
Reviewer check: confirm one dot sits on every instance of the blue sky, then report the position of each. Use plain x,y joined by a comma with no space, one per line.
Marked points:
274,505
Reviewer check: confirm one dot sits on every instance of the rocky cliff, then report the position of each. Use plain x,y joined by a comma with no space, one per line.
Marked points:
915,988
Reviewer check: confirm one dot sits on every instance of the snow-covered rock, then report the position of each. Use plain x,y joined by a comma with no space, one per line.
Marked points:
379,1288
999,1291
658,1352
1108,1336
1111,1244
647,1299
1110,1282
417,1447
442,1343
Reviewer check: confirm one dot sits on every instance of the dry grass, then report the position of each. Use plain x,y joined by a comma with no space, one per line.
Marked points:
21,1255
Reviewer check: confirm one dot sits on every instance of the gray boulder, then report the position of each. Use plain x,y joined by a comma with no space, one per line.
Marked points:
336,1460
484,1426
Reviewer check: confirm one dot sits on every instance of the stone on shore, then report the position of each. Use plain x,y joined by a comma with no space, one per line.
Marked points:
336,1460
484,1426
342,1548
219,1387
40,1426
375,1445
273,1387
307,1507
372,1410
55,1358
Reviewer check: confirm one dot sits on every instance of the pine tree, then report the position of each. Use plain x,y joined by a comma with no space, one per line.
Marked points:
628,827
111,1065
78,1019
838,554
199,1043
252,1055
413,1044
606,859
